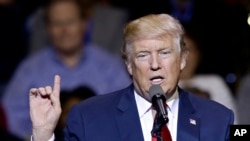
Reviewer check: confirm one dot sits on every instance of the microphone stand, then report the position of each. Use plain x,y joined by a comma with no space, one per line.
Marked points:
159,122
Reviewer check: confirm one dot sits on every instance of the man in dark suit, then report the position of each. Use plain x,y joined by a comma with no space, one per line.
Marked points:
155,54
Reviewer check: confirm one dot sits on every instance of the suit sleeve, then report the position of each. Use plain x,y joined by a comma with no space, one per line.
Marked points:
74,129
231,122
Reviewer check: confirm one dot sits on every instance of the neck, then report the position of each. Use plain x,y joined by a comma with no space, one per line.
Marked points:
71,59
173,95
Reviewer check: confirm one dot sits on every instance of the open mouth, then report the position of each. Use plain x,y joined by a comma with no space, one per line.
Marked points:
156,80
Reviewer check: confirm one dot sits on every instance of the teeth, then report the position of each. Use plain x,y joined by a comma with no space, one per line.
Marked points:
157,80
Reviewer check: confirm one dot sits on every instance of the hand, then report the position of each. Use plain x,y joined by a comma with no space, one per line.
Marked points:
45,110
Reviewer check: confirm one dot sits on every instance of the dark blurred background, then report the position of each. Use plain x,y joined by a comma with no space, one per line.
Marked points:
221,26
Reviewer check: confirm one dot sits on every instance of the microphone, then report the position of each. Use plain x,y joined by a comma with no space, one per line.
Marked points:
159,102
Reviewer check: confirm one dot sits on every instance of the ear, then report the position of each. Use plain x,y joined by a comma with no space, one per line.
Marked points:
184,57
129,66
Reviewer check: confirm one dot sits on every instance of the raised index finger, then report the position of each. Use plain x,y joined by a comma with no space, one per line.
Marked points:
56,89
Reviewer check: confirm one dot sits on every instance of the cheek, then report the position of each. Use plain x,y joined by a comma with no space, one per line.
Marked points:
77,31
141,67
54,32
139,70
141,74
172,66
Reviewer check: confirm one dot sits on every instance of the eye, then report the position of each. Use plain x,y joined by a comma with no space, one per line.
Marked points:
142,56
164,53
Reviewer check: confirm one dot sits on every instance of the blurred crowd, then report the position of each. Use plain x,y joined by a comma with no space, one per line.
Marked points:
81,41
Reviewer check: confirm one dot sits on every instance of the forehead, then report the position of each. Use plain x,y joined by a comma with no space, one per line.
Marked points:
153,44
63,9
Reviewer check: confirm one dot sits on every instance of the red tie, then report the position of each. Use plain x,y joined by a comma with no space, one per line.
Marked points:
165,134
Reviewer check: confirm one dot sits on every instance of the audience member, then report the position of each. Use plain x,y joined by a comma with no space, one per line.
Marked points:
243,98
69,99
198,92
5,135
104,24
109,19
77,63
212,84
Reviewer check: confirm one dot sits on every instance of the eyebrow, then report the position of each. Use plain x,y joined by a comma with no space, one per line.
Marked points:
140,52
163,47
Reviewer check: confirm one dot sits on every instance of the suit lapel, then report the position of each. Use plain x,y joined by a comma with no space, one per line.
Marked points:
188,122
127,117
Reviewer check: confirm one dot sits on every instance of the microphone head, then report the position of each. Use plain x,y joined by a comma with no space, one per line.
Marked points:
156,90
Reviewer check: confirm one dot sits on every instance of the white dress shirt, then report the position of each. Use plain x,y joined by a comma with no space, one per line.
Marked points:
147,116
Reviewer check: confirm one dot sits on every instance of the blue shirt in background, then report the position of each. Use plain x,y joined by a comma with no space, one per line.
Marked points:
97,70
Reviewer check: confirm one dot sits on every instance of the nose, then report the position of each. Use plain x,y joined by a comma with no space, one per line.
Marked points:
155,63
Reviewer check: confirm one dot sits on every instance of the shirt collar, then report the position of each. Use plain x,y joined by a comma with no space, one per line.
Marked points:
144,106
171,102
85,54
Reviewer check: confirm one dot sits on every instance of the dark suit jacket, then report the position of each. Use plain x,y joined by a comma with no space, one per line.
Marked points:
114,117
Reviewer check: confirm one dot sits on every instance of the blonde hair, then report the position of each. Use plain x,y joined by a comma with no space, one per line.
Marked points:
152,26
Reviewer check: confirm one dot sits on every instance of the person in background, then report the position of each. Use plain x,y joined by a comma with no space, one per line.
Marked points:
198,92
243,98
109,19
69,99
5,135
212,84
155,55
104,23
77,63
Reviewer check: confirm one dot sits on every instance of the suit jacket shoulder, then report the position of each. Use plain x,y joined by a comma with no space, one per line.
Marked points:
202,119
112,117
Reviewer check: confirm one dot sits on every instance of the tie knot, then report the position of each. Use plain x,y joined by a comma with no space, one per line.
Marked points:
160,130
157,109
164,104
160,116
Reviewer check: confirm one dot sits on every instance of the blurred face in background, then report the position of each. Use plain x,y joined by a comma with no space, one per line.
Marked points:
66,26
193,58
